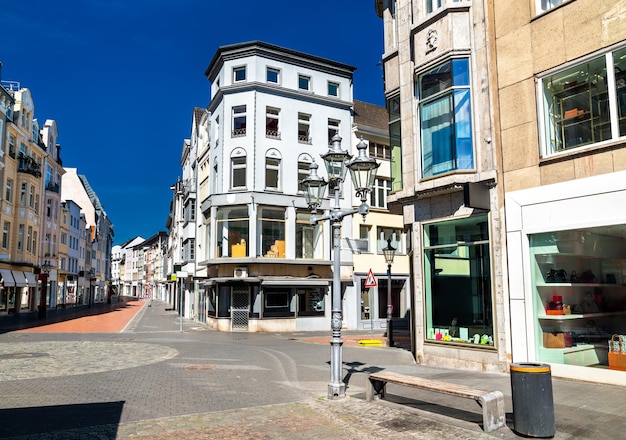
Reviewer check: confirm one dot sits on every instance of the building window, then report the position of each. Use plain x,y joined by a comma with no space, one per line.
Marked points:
232,232
333,129
238,172
20,238
364,238
333,89
380,192
6,233
546,5
304,128
239,121
189,249
434,5
29,235
239,74
49,208
304,82
8,193
304,169
457,282
272,75
311,301
271,230
272,170
379,151
278,302
31,197
271,122
23,195
585,104
12,146
445,118
385,233
309,243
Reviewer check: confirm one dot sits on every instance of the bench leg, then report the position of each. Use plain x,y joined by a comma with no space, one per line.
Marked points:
494,415
374,389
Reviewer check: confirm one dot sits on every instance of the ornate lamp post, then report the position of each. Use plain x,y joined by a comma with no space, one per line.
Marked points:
46,267
363,172
389,252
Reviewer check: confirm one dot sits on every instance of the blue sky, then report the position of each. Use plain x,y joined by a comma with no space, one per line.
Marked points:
121,79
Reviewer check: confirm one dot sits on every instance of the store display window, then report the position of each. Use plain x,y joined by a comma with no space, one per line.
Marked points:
579,295
457,278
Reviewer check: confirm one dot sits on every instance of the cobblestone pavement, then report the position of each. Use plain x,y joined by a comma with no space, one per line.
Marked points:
155,382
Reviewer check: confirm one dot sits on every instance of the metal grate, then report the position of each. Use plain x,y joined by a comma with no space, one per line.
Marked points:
240,309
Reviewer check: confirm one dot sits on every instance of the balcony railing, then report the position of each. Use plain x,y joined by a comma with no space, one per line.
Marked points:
238,132
305,139
27,164
272,134
54,187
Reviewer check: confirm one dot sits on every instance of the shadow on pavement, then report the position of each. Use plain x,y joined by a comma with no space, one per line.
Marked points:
48,419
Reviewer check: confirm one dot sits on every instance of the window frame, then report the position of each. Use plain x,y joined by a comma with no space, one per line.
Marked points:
6,235
272,119
304,128
271,226
239,120
238,171
334,125
304,82
333,87
563,130
237,74
274,71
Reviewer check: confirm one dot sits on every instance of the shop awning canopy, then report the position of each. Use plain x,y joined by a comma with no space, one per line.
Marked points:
30,278
7,278
20,278
287,281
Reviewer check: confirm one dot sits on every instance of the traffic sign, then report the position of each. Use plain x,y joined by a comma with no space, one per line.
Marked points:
370,281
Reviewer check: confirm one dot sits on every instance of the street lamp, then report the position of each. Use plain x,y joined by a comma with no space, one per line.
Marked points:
363,172
389,252
46,267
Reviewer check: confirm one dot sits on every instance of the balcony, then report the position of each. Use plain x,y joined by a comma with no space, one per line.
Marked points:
27,164
305,139
238,132
54,187
272,134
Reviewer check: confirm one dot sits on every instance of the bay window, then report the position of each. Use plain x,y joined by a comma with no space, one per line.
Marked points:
446,118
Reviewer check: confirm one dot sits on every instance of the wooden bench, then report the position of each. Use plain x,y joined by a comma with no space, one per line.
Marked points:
492,402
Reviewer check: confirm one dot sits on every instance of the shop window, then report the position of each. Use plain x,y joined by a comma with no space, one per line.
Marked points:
232,232
585,104
308,237
446,118
278,303
457,282
395,140
271,227
578,279
311,301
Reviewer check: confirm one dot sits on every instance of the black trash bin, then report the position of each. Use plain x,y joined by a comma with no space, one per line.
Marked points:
533,403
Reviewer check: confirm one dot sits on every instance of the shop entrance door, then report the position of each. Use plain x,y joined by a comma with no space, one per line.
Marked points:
240,309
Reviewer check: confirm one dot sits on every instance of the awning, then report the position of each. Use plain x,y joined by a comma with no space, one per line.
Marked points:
7,278
282,281
20,278
30,278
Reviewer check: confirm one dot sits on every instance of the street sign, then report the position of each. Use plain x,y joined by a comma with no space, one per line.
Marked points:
370,281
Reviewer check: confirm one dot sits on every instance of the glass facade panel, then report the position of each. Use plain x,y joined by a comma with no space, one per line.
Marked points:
232,231
308,237
271,227
579,298
457,274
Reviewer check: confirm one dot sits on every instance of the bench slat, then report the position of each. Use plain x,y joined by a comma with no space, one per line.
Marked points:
428,384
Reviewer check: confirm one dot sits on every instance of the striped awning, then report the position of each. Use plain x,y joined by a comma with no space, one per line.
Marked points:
20,278
7,278
30,279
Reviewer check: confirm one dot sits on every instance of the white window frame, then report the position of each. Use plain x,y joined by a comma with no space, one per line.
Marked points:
306,78
333,86
238,164
239,112
546,5
272,70
237,70
273,163
333,128
304,124
272,114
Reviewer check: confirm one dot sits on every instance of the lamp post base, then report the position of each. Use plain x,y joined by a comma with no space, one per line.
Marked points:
336,390
390,342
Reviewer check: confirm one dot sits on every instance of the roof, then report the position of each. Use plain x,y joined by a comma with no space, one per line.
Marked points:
370,115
